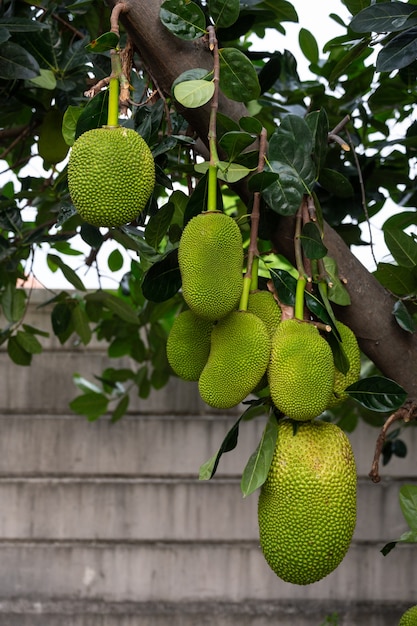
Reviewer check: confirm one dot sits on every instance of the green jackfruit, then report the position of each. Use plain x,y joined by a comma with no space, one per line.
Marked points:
51,144
239,354
111,175
352,351
264,305
210,257
188,345
409,618
301,370
307,505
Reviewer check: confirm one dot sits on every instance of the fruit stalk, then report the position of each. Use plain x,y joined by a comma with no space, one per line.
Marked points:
301,281
212,133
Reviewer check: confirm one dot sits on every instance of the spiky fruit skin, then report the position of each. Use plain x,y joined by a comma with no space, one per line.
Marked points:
307,505
210,257
188,345
301,370
409,618
111,175
264,305
238,358
353,353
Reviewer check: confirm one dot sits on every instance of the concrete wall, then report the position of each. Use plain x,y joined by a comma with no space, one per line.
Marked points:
108,525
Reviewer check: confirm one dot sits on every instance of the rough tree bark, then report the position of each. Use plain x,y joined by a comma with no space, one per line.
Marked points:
393,350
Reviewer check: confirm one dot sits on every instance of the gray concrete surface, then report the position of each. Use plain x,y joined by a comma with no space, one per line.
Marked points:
108,525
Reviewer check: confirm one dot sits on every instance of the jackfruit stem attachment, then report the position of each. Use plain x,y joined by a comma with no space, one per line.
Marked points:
212,132
244,298
116,68
302,280
113,107
255,270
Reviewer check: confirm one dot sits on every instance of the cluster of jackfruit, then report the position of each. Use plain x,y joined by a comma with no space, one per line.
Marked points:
111,175
307,505
409,618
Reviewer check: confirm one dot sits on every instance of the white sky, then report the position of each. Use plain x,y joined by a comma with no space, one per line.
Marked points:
313,16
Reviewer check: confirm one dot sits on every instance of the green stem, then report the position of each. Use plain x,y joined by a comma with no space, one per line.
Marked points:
113,108
299,298
244,298
212,188
255,270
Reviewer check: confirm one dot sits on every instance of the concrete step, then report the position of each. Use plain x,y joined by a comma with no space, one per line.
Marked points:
152,445
192,572
87,613
152,509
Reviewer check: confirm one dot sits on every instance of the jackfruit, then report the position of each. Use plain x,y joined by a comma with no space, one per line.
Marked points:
210,257
111,175
307,505
352,351
301,370
188,345
51,145
264,305
239,353
409,618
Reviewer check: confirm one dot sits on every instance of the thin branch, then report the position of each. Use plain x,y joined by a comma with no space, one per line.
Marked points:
406,413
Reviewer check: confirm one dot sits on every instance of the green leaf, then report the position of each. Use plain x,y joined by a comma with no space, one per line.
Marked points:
262,180
92,405
377,393
408,504
318,308
45,80
13,302
28,342
68,272
229,172
120,308
383,17
399,52
209,468
235,142
69,123
403,247
250,125
403,317
16,63
257,467
337,292
115,260
308,45
238,77
22,24
336,183
81,323
120,409
61,318
163,279
194,93
224,12
94,114
285,285
312,241
106,41
318,123
18,355
91,235
399,280
183,18
157,227
289,155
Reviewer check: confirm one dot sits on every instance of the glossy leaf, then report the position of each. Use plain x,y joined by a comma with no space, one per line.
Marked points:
16,63
209,468
68,272
337,292
261,181
224,12
250,125
156,228
238,77
194,93
403,317
257,467
183,18
289,155
28,342
285,286
318,123
403,247
94,114
384,17
235,142
61,317
377,393
69,123
92,405
308,45
270,72
399,52
400,280
115,260
17,353
45,80
312,241
105,42
163,279
336,183
229,172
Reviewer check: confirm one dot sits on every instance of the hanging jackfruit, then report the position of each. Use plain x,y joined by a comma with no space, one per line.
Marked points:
352,351
300,371
264,305
409,618
238,358
111,175
210,257
307,505
188,345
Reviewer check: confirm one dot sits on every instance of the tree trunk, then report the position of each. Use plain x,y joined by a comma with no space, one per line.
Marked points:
393,350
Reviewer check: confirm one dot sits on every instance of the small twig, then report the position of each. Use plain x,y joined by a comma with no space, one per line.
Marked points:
95,89
407,413
117,10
